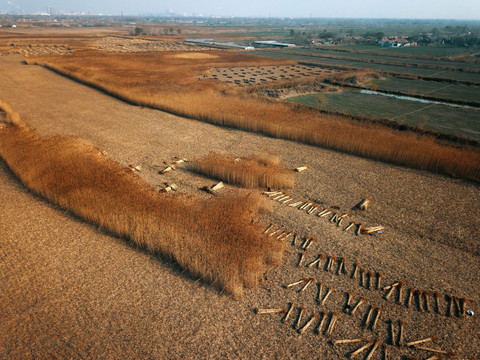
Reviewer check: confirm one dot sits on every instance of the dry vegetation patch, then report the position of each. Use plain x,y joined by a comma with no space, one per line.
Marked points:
248,75
260,170
126,44
175,85
38,50
211,238
200,55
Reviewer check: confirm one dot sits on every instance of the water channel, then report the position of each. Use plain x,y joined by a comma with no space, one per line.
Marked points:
425,101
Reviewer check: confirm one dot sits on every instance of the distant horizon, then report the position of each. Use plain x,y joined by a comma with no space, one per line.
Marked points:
160,15
317,9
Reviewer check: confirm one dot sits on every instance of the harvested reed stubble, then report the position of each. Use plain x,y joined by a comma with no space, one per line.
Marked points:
211,238
252,172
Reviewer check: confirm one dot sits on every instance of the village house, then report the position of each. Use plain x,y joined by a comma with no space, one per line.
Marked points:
395,41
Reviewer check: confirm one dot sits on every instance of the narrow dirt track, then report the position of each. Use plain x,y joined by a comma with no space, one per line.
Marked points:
70,291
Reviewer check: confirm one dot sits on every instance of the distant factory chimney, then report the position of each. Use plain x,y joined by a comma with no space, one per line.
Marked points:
51,10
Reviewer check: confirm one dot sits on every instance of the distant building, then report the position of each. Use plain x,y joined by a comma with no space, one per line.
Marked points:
317,42
211,42
272,43
395,41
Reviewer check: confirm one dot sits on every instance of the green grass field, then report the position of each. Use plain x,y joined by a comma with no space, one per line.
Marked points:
392,69
386,57
458,121
428,88
419,51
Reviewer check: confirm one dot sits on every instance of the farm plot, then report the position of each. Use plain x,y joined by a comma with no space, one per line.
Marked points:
125,44
459,121
37,50
263,74
432,89
409,51
442,75
386,59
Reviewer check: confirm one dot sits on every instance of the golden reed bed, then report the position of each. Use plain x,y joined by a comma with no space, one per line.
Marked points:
254,171
212,238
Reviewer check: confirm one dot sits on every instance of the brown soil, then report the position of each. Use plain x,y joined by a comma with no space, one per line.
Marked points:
70,291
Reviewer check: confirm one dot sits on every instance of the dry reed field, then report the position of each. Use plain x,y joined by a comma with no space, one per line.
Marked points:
255,171
211,239
173,82
71,290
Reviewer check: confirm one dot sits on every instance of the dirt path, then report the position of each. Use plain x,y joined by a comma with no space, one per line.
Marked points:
67,290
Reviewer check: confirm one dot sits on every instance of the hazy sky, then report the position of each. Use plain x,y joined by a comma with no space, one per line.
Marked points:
424,9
